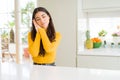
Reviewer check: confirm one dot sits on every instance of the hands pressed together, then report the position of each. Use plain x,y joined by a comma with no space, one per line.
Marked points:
37,27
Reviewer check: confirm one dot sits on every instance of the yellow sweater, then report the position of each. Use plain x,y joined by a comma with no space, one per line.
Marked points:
50,47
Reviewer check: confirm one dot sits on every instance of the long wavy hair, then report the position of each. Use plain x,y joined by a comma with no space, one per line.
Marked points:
50,29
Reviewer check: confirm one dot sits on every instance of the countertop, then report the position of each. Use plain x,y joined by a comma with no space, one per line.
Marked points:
10,71
100,52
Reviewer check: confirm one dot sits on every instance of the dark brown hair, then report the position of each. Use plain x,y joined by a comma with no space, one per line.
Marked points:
50,29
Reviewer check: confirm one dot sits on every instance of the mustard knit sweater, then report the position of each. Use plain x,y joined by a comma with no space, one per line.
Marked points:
50,47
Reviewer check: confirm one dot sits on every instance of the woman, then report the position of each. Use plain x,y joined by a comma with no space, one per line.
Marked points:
42,39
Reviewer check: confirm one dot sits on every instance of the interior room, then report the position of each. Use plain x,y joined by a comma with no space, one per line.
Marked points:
90,43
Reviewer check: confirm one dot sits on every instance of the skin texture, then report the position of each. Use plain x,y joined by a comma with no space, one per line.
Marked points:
41,20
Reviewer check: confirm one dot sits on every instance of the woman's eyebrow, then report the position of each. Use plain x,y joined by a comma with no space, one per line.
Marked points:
42,14
37,17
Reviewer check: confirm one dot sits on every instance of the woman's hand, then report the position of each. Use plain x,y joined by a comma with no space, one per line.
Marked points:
37,27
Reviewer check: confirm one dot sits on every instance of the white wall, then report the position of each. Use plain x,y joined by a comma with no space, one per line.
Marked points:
64,13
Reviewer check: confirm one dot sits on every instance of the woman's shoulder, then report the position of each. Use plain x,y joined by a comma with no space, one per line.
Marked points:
58,34
29,34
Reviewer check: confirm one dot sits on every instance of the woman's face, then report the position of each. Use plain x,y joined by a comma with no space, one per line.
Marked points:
42,19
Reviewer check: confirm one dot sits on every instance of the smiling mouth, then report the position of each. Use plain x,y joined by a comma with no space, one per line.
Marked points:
43,23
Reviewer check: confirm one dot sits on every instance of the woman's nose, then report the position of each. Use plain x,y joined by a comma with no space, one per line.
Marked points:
42,20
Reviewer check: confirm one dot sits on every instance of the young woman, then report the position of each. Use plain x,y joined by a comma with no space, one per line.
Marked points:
42,39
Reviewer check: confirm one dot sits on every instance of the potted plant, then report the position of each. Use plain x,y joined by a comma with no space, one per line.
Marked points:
4,40
116,37
11,33
102,35
12,24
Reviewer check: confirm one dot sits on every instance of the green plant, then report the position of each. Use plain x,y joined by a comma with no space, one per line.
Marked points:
88,34
102,33
116,34
4,40
11,24
4,35
118,43
112,43
24,37
26,13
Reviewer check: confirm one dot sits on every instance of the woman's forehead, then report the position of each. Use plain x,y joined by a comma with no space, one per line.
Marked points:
40,13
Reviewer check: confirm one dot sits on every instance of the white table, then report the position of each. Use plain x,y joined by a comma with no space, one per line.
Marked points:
33,72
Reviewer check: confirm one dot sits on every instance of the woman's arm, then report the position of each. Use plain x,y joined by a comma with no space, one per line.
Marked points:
33,46
49,46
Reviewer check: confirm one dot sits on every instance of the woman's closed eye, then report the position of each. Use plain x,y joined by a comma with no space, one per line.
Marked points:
37,19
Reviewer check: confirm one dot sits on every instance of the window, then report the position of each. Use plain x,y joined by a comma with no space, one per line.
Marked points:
27,7
97,21
6,14
7,22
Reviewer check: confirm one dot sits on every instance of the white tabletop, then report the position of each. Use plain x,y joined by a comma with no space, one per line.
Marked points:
33,72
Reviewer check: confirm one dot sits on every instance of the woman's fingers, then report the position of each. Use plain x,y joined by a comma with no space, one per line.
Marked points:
36,25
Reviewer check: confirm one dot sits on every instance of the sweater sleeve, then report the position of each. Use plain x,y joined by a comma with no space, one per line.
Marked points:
33,46
49,46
